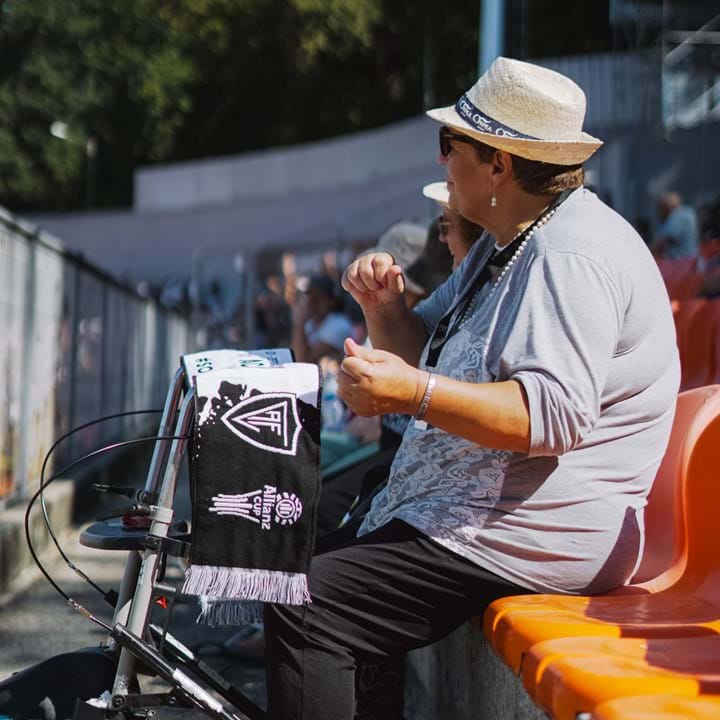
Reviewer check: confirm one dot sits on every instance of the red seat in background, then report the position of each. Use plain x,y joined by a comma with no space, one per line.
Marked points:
697,339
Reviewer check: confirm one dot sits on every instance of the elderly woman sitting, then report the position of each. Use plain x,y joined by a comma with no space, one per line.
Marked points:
542,376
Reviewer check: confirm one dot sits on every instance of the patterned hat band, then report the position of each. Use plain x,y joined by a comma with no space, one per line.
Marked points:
481,122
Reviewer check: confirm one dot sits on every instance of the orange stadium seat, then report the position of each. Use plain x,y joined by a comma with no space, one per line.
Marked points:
573,675
683,312
681,277
684,598
659,707
688,286
715,377
697,343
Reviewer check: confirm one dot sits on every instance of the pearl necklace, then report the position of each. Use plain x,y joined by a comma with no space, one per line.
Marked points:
530,232
542,220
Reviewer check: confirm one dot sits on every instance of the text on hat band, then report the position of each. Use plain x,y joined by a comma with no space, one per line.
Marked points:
472,115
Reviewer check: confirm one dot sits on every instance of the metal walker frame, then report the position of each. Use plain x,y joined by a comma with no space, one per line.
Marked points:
141,644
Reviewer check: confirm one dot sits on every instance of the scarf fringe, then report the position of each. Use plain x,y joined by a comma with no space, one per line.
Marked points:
221,611
225,590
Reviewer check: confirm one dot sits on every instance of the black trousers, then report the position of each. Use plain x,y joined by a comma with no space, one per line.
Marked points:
374,597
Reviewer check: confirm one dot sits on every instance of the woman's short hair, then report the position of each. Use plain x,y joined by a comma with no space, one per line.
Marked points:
535,177
469,230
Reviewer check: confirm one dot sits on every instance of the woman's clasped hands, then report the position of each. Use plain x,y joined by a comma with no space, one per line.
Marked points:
375,382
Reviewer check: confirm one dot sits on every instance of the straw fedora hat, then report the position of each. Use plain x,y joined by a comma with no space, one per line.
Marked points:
437,191
526,110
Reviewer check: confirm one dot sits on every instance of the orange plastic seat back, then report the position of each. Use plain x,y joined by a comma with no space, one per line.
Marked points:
697,344
715,376
662,513
681,278
689,286
700,525
671,270
685,309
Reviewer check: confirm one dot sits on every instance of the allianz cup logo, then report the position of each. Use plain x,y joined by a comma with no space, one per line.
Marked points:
260,506
269,421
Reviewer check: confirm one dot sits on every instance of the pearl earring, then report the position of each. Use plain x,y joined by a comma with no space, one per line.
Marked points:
493,201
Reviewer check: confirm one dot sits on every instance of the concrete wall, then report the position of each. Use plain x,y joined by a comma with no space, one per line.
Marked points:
16,565
161,244
461,678
623,91
358,159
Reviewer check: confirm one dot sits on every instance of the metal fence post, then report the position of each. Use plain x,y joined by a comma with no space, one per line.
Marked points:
104,357
28,347
74,334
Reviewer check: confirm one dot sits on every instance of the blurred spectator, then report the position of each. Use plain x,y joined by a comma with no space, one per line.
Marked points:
709,258
272,316
458,233
143,289
289,274
677,235
434,264
354,313
329,265
216,318
319,330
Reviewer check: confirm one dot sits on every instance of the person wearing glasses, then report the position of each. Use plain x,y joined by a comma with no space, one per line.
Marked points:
458,233
542,376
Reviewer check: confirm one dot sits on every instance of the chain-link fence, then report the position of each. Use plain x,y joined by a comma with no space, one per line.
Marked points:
75,345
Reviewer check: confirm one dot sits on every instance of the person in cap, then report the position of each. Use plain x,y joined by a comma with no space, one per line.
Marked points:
677,235
543,378
434,265
404,242
458,233
319,330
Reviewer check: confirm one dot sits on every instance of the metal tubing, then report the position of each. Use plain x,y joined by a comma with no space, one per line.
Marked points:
161,520
172,402
127,588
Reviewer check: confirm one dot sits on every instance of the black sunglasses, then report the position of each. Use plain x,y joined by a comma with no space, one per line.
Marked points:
445,135
443,225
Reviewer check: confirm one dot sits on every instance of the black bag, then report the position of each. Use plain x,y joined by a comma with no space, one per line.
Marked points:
48,690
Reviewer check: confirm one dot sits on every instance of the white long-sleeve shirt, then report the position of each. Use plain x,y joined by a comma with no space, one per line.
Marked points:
583,321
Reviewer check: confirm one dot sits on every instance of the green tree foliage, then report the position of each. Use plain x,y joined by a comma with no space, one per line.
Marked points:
162,80
109,70
284,71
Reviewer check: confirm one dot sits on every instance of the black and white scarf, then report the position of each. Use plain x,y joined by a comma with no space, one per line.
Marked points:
255,469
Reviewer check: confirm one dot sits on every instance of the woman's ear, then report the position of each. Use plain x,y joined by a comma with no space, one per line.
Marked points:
502,166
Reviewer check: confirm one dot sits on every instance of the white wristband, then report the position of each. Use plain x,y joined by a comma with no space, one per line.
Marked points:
420,424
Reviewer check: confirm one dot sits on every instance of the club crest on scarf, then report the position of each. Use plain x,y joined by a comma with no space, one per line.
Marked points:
260,506
268,421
